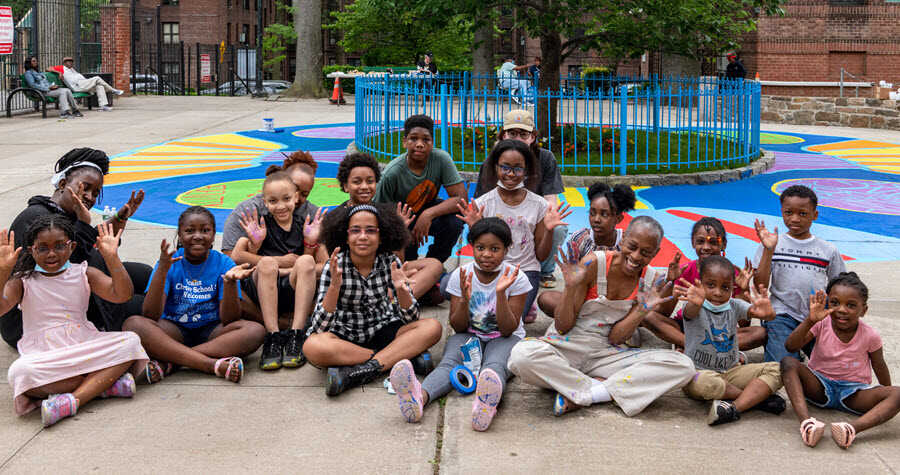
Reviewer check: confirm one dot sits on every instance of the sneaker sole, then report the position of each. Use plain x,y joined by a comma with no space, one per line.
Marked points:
404,381
270,366
332,383
712,418
293,363
487,397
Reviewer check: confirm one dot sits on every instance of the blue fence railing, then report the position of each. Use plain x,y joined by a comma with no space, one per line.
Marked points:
603,125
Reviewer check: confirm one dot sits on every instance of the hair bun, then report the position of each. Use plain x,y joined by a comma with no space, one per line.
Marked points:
272,169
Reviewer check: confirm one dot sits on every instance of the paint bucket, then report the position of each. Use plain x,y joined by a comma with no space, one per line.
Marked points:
268,124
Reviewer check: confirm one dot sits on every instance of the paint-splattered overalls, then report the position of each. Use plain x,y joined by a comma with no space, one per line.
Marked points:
567,363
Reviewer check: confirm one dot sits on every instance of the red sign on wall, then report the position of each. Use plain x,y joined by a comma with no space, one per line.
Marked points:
6,30
205,67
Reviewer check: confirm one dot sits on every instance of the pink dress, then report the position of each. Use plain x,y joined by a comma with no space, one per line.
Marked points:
58,342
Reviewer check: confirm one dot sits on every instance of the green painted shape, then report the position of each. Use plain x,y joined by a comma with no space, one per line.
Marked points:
778,139
227,195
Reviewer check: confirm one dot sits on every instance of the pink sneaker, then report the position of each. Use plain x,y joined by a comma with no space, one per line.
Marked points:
124,387
58,406
409,391
531,316
487,396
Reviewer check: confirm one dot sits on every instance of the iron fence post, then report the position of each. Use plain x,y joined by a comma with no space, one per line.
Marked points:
623,134
444,116
77,35
464,103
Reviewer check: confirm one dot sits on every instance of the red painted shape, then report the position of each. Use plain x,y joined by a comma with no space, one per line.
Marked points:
730,227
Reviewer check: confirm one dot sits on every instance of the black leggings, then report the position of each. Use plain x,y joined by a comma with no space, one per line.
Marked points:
104,315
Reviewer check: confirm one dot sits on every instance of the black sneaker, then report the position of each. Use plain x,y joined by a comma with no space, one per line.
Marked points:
423,364
77,113
293,348
272,352
773,404
342,378
433,297
722,412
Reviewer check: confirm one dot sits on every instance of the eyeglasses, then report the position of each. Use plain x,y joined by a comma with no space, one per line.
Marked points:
518,133
517,171
58,247
356,230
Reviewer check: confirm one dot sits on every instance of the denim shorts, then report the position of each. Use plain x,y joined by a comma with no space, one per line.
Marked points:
196,335
836,391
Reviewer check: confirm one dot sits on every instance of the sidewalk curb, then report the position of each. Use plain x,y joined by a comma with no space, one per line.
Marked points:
700,178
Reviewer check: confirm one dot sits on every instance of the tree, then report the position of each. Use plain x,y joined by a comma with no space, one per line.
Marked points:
308,71
397,32
276,38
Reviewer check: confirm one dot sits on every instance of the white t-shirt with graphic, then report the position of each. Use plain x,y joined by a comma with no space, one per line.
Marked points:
483,303
522,220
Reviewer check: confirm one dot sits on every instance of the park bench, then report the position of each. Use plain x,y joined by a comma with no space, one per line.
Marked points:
40,100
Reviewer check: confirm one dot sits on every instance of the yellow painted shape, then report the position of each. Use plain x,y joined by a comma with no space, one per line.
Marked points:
865,151
640,205
142,163
125,177
572,196
850,144
234,139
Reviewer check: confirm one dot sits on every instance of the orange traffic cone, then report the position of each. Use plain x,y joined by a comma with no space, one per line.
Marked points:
337,95
757,77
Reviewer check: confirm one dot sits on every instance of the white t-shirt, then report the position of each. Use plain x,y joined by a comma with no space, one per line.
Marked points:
483,304
522,220
71,76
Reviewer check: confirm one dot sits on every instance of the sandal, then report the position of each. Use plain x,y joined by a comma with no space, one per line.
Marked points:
153,372
234,369
811,431
843,434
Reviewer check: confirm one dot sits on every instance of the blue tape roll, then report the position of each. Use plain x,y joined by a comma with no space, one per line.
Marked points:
462,379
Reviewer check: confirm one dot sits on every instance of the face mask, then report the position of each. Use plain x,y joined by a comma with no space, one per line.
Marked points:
716,308
520,185
44,271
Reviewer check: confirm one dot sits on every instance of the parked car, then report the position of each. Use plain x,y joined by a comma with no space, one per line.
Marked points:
269,87
149,84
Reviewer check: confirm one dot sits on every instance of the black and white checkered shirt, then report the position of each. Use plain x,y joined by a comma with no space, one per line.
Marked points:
363,307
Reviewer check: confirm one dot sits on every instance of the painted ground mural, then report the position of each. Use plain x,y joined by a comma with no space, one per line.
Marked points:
857,181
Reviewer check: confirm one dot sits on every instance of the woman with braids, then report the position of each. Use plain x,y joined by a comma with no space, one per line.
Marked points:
77,185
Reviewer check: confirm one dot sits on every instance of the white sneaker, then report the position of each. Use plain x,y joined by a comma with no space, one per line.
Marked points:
106,108
118,92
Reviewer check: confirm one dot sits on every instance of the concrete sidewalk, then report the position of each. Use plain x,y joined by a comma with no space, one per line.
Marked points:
283,422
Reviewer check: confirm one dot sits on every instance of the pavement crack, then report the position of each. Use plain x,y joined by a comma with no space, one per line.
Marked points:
13,455
439,437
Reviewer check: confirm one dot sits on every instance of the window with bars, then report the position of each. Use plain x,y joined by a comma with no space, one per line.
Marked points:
170,33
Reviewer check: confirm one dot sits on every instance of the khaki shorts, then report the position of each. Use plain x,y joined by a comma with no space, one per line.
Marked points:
708,385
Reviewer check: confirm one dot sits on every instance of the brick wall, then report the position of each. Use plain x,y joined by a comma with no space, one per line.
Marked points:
843,111
115,32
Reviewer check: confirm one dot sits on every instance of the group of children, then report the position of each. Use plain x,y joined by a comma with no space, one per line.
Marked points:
206,310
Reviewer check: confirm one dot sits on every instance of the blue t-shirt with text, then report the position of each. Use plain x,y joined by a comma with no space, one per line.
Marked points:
193,291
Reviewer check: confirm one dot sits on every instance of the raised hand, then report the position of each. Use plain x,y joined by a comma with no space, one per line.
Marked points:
556,214
129,208
107,239
692,293
573,272
507,278
817,310
405,213
651,298
255,228
78,207
399,278
165,255
465,283
674,270
745,275
312,227
238,273
470,212
9,254
761,302
767,238
337,275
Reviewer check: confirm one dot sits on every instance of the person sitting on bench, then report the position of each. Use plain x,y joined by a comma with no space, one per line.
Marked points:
78,83
37,80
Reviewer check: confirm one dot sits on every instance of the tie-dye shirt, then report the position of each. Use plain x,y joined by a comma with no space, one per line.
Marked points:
522,220
483,303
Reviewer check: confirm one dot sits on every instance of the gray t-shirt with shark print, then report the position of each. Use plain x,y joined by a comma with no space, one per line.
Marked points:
710,339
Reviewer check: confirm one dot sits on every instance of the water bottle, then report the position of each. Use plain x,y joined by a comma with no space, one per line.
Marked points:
106,213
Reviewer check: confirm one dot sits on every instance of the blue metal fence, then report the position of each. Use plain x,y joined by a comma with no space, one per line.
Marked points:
604,125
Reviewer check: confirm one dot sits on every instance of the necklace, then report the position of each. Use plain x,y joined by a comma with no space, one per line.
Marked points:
186,268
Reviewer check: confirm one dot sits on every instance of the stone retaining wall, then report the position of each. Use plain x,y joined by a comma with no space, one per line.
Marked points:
843,111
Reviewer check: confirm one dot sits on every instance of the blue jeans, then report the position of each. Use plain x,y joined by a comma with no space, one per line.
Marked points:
559,236
777,332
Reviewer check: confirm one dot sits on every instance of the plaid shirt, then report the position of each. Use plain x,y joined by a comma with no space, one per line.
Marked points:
582,243
363,307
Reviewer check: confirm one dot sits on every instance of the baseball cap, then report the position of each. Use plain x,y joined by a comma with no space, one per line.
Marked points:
67,58
518,119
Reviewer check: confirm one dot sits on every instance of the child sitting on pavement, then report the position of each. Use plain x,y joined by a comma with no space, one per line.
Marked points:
839,372
799,264
488,296
711,317
365,319
414,178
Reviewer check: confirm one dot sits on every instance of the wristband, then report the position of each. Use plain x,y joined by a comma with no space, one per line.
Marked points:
310,246
118,219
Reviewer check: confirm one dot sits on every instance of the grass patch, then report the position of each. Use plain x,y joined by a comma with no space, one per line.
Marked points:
592,151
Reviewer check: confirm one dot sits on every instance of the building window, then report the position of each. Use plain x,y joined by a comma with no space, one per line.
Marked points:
228,34
246,4
170,33
245,34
